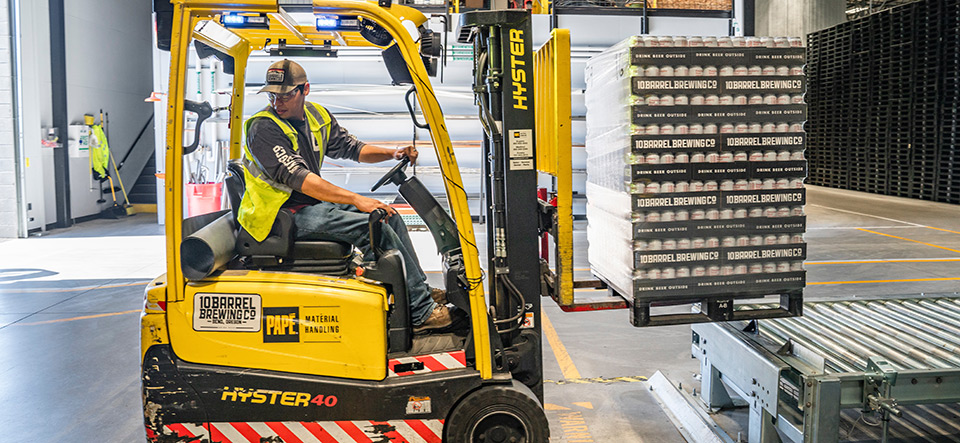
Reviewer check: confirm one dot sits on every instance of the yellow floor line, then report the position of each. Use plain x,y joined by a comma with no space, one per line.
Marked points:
881,281
567,367
553,407
85,317
907,239
85,288
944,230
856,262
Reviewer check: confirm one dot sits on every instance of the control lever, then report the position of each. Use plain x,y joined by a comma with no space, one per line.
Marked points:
376,231
203,111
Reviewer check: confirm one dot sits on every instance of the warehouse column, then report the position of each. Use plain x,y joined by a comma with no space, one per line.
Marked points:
58,77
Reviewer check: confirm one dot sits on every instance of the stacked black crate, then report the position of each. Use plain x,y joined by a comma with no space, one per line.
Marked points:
695,168
873,177
926,92
840,106
896,74
948,179
894,116
826,133
854,123
819,168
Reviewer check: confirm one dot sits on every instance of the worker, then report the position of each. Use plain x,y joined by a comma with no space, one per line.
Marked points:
286,143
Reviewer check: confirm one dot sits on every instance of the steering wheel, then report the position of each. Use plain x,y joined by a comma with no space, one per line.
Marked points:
394,175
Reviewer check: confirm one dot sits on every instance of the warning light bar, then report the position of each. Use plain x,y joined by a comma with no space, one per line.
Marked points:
337,23
234,20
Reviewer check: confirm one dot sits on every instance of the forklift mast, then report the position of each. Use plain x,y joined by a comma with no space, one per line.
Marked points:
503,89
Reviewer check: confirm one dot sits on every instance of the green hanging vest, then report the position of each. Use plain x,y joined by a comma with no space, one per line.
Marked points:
263,197
99,152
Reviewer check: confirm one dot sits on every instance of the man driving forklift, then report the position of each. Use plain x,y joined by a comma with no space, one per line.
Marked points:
279,174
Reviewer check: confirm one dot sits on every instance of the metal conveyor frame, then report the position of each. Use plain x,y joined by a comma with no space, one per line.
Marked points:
796,394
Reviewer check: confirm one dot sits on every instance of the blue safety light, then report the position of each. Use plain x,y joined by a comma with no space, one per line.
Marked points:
233,19
327,22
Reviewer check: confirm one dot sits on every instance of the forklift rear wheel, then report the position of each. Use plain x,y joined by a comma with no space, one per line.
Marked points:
498,414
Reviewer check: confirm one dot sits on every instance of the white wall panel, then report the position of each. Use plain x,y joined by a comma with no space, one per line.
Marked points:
108,46
9,214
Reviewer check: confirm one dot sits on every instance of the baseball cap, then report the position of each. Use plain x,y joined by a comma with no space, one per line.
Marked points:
283,76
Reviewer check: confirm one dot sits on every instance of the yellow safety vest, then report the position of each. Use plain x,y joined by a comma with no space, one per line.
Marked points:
99,151
263,197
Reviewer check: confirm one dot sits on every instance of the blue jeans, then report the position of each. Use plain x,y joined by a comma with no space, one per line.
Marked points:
342,222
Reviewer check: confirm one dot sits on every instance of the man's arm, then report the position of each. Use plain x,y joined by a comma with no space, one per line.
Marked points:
342,144
320,189
377,154
274,152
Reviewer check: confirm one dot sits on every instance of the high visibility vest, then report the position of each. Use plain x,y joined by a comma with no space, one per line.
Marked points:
99,152
263,197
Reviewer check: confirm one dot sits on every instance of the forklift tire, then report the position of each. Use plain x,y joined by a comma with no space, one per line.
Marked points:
495,414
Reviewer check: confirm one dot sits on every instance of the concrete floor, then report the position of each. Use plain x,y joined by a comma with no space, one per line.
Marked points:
69,368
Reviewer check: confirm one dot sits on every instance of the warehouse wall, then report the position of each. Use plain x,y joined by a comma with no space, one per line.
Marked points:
797,18
108,52
8,186
36,113
108,67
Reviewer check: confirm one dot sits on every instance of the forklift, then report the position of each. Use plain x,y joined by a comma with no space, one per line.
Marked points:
287,340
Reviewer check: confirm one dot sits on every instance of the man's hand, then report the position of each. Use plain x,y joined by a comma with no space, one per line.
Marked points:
367,204
409,151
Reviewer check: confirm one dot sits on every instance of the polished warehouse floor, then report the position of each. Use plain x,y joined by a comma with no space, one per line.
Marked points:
69,299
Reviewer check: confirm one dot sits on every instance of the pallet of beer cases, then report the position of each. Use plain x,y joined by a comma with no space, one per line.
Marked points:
695,169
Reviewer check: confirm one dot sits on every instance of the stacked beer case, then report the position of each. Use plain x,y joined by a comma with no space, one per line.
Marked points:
695,168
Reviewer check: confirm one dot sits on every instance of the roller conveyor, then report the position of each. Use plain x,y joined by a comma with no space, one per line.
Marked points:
846,371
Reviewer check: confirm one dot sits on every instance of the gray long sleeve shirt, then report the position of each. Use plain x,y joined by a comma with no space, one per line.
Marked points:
276,157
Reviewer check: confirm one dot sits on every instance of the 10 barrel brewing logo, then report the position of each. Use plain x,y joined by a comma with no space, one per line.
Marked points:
226,312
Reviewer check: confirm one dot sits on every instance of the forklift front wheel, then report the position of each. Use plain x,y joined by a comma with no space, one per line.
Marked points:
496,414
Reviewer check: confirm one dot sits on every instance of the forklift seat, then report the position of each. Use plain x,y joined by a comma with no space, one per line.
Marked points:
281,249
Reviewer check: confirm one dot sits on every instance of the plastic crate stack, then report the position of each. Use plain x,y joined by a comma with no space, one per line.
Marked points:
695,168
948,168
884,92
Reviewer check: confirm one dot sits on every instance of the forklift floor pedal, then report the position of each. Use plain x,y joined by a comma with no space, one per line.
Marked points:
436,342
460,324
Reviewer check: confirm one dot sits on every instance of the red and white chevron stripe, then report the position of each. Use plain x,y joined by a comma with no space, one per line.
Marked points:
431,362
397,431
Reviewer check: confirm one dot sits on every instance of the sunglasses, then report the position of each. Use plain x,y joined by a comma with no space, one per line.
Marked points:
274,97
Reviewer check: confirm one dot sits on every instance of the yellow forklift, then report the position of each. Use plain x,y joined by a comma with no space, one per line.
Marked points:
283,340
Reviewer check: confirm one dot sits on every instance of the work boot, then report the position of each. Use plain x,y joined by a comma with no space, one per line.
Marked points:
438,295
438,319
